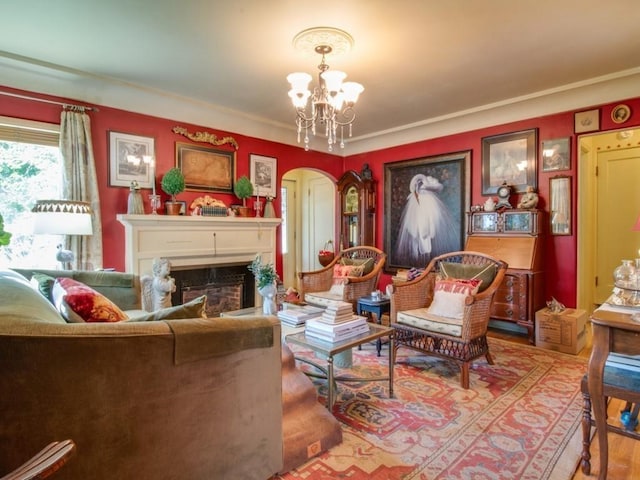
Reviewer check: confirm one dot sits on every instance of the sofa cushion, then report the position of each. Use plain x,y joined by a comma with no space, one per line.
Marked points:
450,295
485,272
79,303
43,283
195,308
20,301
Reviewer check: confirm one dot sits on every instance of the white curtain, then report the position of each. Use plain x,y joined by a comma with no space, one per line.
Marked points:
80,183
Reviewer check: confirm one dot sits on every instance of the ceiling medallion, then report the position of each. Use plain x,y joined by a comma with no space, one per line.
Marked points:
339,41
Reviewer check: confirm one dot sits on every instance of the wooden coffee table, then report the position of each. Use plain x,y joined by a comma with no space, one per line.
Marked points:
329,350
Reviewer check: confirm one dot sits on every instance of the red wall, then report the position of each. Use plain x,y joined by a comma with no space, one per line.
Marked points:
559,251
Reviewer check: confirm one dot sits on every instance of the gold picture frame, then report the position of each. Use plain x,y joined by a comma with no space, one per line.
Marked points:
620,113
206,169
509,158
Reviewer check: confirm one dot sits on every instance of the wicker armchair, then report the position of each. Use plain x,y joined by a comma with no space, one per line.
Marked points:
428,331
315,287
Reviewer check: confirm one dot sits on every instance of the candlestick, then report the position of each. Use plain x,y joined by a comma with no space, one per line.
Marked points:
153,176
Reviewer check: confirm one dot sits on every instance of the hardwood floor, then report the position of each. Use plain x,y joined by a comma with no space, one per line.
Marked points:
624,452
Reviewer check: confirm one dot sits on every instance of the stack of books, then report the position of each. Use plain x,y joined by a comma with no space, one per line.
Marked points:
338,312
296,316
320,329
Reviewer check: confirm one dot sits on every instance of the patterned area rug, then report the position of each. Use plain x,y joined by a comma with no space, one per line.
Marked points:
519,420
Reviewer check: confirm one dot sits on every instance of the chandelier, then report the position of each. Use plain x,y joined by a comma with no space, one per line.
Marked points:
329,106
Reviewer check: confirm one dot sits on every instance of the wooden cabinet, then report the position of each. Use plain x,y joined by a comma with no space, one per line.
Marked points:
356,215
512,236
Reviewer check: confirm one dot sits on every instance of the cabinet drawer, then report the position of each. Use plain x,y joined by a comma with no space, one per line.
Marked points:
508,311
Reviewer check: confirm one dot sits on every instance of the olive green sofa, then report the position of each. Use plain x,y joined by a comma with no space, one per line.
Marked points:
144,400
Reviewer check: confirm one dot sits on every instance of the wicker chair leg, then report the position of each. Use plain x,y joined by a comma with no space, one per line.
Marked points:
489,358
464,375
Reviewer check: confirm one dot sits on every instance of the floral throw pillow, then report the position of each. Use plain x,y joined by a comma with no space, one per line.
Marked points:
79,303
449,297
340,274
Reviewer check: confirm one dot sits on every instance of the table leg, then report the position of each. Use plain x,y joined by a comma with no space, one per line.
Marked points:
391,336
595,376
331,394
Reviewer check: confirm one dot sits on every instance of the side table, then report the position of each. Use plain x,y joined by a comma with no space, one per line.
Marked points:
369,306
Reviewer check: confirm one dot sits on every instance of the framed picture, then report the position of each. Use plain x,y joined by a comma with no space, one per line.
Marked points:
587,121
206,169
425,204
560,205
509,158
620,113
556,155
130,159
263,175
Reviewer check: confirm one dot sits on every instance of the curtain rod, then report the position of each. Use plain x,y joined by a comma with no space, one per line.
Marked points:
36,99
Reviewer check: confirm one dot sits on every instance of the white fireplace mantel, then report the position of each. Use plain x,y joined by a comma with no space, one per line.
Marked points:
196,241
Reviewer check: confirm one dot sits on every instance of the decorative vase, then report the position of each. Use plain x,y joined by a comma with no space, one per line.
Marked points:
268,293
625,275
269,211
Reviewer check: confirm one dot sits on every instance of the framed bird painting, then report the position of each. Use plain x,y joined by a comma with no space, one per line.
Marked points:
425,204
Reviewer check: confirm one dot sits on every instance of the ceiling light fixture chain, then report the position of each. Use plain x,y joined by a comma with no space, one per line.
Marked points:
331,103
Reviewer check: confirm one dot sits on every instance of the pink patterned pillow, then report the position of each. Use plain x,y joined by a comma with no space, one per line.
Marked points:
449,297
340,274
79,303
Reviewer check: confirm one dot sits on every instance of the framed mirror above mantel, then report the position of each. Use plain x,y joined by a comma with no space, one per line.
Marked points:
356,212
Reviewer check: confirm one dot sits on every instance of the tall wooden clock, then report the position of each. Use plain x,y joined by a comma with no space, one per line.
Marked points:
356,215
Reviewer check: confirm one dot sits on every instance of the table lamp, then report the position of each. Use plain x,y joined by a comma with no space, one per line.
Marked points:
62,217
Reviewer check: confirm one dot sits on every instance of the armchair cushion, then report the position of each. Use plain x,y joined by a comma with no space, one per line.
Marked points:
485,272
340,274
449,297
366,263
79,303
423,319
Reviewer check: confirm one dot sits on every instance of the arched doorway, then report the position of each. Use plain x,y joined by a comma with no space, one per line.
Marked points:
308,212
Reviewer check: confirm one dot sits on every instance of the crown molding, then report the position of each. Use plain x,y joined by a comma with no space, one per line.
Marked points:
41,77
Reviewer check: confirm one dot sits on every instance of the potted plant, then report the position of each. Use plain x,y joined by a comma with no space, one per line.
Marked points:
243,190
173,184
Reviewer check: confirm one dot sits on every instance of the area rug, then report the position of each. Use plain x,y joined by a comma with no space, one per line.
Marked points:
519,420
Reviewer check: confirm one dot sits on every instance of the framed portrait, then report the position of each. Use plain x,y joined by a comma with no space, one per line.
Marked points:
620,113
127,155
556,154
424,208
587,121
509,158
560,205
263,175
206,169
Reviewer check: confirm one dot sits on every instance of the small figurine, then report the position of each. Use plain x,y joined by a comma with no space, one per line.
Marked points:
157,290
555,306
489,205
529,199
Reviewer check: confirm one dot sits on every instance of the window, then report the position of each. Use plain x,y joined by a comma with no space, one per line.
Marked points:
30,170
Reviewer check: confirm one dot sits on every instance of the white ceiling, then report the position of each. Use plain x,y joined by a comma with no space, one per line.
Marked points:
429,67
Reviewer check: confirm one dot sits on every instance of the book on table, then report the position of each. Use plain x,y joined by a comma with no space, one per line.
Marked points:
299,315
332,332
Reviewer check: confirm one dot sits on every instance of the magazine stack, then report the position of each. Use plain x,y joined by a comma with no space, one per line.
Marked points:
296,316
336,323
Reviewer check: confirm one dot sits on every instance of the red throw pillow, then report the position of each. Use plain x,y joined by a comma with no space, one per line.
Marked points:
79,303
449,297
